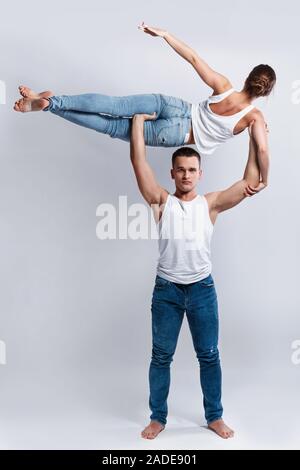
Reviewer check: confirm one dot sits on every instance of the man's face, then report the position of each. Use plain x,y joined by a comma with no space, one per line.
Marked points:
186,173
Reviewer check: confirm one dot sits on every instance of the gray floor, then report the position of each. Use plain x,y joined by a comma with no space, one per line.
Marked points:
83,411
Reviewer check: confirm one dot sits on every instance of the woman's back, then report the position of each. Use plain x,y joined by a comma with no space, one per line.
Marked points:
219,118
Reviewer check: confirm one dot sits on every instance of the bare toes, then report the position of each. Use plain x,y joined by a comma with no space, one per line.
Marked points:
24,91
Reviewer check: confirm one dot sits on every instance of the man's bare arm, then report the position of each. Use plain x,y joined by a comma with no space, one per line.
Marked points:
150,189
220,201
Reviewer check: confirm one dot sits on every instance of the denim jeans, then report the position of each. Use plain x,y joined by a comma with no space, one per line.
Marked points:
112,115
169,303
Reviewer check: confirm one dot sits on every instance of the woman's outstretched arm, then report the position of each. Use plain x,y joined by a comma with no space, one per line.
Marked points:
218,82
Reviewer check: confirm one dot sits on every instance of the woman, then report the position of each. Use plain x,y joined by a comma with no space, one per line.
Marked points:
224,114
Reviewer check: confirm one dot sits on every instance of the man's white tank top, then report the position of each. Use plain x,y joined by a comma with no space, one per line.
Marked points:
211,129
185,230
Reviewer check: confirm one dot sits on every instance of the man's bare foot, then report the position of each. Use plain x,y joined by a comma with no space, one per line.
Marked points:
27,92
152,430
24,105
221,429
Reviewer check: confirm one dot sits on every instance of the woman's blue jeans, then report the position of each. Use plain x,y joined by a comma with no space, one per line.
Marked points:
169,303
112,115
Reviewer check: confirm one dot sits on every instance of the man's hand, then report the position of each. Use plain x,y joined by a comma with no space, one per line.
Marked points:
145,117
151,30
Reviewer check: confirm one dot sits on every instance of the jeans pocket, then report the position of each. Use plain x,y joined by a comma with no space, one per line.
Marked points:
161,283
169,132
207,282
174,107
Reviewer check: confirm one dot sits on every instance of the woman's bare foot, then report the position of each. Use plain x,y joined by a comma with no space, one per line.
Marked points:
24,105
221,429
27,92
152,430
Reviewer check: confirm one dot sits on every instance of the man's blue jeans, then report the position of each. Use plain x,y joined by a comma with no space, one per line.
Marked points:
112,115
169,303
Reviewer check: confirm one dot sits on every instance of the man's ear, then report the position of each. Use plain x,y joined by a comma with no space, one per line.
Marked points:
200,174
172,173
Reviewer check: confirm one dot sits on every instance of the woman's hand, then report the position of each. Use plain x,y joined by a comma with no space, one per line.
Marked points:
145,117
250,190
151,30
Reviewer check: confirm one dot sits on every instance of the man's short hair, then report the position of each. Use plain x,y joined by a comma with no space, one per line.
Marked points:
186,152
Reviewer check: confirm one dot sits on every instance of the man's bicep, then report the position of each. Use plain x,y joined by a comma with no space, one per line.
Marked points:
230,197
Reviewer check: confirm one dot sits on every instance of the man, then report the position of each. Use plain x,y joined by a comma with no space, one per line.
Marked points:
184,283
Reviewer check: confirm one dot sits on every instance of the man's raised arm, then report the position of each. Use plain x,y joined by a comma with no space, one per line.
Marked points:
148,186
220,201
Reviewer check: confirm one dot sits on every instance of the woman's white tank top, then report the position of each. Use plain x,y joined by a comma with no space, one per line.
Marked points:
211,129
185,231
